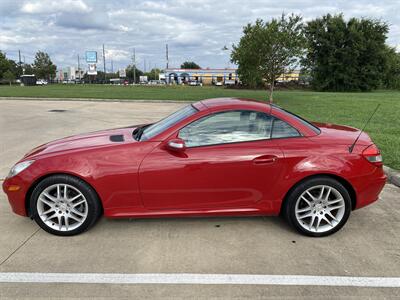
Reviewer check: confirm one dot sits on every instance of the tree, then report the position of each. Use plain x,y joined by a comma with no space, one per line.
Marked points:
345,55
391,77
153,74
130,70
9,76
190,65
5,65
27,69
43,66
268,49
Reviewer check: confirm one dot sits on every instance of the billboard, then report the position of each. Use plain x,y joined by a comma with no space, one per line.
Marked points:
92,69
91,56
122,73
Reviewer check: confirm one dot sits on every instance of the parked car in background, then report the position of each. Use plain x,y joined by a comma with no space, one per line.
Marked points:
156,82
194,83
41,82
70,81
229,82
217,157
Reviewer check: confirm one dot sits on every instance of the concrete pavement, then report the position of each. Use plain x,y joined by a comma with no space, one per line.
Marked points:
369,245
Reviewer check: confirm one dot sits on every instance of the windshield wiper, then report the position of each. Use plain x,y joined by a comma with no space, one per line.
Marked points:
137,133
140,132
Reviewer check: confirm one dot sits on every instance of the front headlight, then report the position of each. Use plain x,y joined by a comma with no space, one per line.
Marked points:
19,168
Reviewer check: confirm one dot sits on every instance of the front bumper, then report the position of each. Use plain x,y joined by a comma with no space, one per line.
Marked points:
16,198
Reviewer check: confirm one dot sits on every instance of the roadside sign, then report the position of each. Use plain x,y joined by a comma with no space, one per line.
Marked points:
92,69
91,56
122,73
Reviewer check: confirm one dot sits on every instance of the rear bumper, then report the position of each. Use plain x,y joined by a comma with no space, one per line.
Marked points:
369,187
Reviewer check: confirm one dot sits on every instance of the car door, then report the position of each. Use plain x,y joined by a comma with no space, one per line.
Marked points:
229,162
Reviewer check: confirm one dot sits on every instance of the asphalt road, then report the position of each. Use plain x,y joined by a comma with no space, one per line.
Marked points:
369,245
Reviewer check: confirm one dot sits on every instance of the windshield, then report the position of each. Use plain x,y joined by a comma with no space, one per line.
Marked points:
167,122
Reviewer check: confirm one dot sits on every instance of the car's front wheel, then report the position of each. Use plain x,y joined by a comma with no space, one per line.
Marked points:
64,205
318,207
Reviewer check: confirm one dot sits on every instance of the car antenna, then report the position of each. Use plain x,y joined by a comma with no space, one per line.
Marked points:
351,148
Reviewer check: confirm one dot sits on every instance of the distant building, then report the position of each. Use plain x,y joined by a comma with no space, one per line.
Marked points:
161,76
69,73
204,76
289,76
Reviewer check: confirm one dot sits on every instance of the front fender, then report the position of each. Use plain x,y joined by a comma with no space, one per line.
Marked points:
111,172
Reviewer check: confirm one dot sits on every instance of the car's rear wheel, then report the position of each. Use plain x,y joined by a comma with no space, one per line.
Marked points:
64,205
318,207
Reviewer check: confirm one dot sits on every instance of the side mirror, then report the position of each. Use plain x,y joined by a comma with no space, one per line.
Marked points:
177,145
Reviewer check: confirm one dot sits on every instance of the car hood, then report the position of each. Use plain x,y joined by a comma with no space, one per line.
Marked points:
85,141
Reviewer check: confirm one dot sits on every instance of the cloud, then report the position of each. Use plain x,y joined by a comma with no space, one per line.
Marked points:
83,21
117,54
49,6
194,30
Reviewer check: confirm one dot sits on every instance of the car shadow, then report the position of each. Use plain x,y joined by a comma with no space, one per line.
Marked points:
270,222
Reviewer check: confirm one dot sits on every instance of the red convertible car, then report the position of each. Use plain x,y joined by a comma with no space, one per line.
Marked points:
217,157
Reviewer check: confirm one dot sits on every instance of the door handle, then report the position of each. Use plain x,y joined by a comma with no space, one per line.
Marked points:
265,159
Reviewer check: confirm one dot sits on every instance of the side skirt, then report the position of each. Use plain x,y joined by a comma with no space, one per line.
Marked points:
141,212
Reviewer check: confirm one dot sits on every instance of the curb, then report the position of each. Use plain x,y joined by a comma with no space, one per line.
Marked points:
96,100
392,175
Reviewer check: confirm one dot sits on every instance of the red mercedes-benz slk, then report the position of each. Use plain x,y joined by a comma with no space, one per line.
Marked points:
217,157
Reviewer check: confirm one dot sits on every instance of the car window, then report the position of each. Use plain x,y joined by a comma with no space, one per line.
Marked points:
227,127
281,129
167,122
300,119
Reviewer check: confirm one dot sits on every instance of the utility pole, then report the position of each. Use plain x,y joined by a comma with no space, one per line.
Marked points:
112,66
104,64
144,64
134,65
19,58
166,54
79,68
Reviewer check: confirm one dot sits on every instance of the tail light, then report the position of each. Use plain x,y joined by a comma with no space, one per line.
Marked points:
373,155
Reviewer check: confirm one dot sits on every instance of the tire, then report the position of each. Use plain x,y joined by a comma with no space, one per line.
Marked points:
318,207
64,205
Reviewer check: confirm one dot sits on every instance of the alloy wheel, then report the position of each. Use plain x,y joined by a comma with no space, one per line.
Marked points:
320,208
62,207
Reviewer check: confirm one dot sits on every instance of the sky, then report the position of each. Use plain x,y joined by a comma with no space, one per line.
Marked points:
194,30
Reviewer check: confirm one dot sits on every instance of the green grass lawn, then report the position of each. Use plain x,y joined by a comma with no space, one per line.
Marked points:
342,108
127,92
